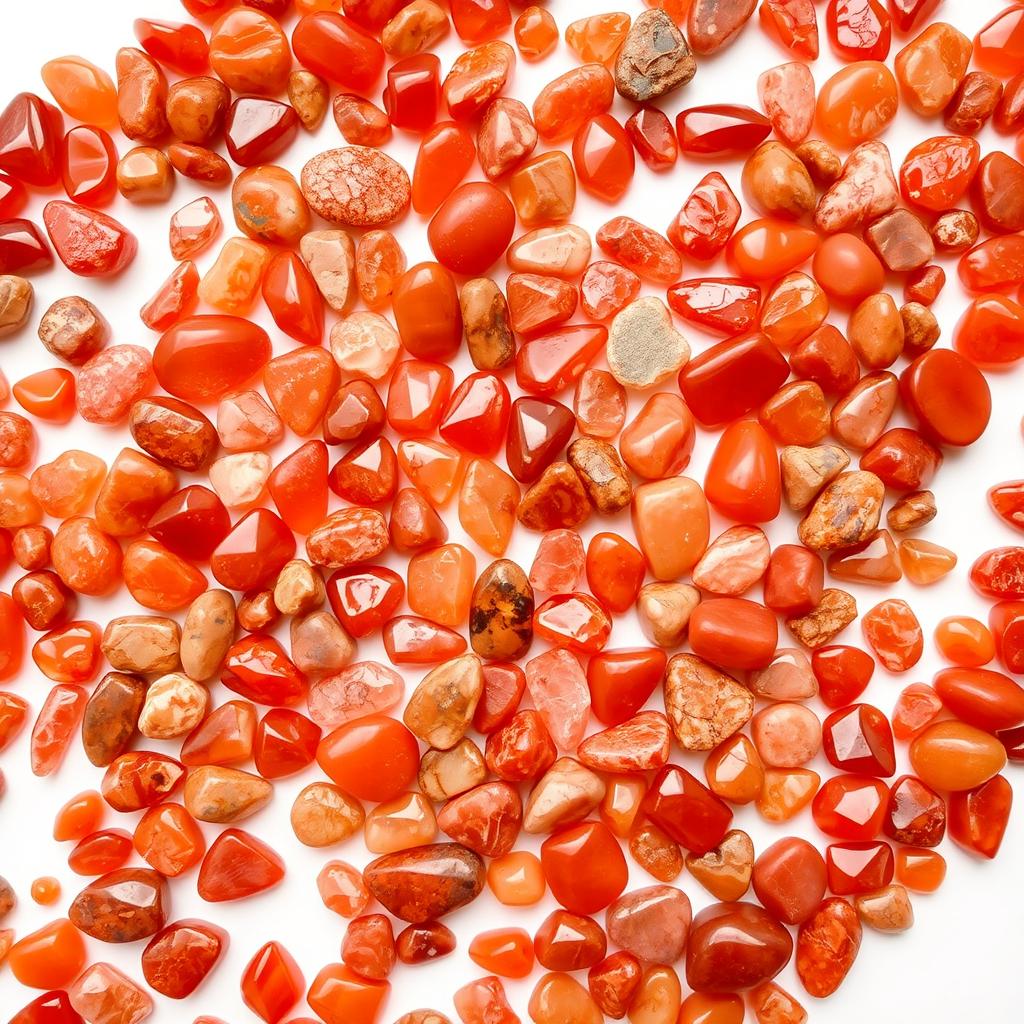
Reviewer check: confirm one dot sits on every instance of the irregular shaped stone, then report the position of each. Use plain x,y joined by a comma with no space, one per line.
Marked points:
643,347
485,319
866,189
713,24
604,476
15,303
827,945
425,883
111,716
639,744
142,643
651,923
225,795
174,706
330,255
845,513
501,612
704,706
726,870
557,499
103,995
834,612
441,708
558,688
207,634
324,815
654,58
121,906
486,819
446,773
805,471
565,794
733,562
664,611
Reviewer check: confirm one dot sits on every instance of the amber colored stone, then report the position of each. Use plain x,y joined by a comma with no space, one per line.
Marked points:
857,102
51,957
121,906
249,52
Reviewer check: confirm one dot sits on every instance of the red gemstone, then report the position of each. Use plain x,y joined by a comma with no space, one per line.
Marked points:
254,552
30,135
89,243
258,668
191,523
687,810
238,865
859,739
365,598
720,129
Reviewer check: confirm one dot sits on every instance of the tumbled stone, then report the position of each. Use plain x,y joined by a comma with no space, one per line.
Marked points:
704,706
319,644
121,906
726,870
651,923
330,255
207,634
565,794
141,643
866,189
887,910
827,946
324,815
501,612
103,995
806,471
664,611
845,513
639,744
486,819
427,882
733,562
446,773
833,613
225,795
174,706
441,708
654,58
15,303
644,348
111,716
602,473
557,499
485,319
356,186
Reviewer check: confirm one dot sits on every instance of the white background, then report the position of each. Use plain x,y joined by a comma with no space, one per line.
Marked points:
961,960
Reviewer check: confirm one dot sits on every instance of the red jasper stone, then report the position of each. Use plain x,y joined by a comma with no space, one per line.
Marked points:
30,136
89,243
584,867
687,810
238,865
859,739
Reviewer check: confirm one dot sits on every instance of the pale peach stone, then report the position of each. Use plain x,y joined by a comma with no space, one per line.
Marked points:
788,677
240,479
174,706
400,824
246,422
567,792
365,346
786,735
324,815
734,561
563,251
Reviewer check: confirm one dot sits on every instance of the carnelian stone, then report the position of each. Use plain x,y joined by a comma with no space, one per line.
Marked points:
13,196
687,810
603,157
12,637
82,90
336,48
859,867
902,460
767,249
427,311
254,552
575,621
48,394
991,331
999,44
707,218
476,21
504,951
936,172
285,743
504,686
238,865
948,396
843,673
70,654
272,983
340,996
158,578
790,879
30,134
857,103
849,807
103,851
51,957
49,1008
293,298
181,47
981,697
794,580
446,153
176,298
22,247
720,129
179,957
978,818
584,867
140,779
298,486
417,395
257,130
916,814
169,840
434,468
920,870
476,417
552,362
258,668
1006,620
202,358
414,641
965,641
372,758
472,228
538,430
621,681
55,727
724,305
859,739
743,480
615,571
224,738
89,243
793,23
191,523
367,474
364,598
413,92
916,707
538,302
859,29
89,166
79,816
733,632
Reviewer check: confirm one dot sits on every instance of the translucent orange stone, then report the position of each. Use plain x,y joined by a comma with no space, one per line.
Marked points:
232,284
79,816
767,249
55,727
250,53
786,792
857,103
238,865
487,503
999,44
920,870
659,441
603,156
272,982
158,578
70,653
446,153
169,840
564,104
82,90
48,394
743,480
669,552
49,958
504,951
536,33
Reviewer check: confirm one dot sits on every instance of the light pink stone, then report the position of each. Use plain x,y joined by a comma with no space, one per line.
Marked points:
365,688
110,383
789,676
246,422
734,561
786,735
787,98
558,565
558,688
865,190
103,995
651,923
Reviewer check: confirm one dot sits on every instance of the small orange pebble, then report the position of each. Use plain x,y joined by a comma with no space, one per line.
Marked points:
517,879
920,870
536,33
48,394
965,641
45,891
79,817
